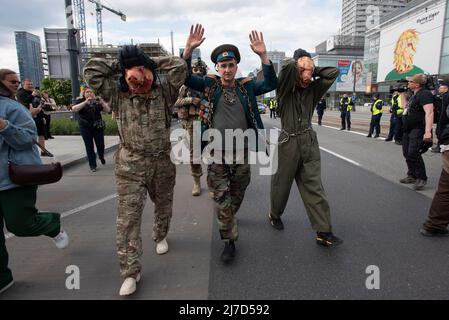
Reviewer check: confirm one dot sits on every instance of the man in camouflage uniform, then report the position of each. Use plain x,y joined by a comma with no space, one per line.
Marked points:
231,106
188,105
141,101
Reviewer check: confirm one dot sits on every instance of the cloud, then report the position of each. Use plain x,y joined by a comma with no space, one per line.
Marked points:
286,24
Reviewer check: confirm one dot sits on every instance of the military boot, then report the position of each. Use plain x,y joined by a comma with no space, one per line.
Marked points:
196,190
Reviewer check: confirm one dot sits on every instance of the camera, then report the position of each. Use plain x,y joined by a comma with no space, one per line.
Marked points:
400,86
432,82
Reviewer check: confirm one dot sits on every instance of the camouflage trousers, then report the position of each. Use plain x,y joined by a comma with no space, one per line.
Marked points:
135,177
228,183
195,169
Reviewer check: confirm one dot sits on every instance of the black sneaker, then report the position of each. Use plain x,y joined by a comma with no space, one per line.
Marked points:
103,162
93,169
342,128
434,233
388,139
228,253
399,143
327,239
276,223
376,136
369,136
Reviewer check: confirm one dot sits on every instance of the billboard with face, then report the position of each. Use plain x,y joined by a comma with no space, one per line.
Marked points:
412,46
351,73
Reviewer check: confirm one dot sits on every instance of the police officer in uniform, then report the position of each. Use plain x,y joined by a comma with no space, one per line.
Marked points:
142,103
396,111
231,104
346,105
320,107
376,115
188,105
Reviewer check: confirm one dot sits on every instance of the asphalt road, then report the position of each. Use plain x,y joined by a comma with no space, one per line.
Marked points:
377,218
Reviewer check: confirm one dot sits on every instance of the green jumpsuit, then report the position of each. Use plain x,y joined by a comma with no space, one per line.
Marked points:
298,150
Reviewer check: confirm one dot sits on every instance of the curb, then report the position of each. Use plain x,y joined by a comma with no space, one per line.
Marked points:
83,159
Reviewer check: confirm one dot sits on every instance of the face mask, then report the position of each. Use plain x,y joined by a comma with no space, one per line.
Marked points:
139,80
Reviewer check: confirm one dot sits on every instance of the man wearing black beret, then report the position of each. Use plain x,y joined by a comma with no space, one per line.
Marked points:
301,85
142,101
231,105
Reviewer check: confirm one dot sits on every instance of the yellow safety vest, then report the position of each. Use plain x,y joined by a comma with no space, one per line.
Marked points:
399,111
349,107
375,110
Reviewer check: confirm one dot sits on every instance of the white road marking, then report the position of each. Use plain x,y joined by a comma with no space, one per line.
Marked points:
341,157
78,210
336,154
354,132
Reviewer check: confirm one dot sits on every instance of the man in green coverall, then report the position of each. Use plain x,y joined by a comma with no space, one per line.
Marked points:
300,86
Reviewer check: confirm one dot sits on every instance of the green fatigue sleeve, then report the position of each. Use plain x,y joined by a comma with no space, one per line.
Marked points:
102,76
327,76
286,82
173,73
183,100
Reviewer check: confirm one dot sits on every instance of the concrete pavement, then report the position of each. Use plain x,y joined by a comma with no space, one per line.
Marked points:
69,150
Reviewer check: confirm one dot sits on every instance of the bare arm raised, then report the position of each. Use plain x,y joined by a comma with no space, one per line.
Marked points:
194,40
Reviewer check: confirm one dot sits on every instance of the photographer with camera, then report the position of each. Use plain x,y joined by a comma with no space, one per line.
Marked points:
91,124
417,125
48,106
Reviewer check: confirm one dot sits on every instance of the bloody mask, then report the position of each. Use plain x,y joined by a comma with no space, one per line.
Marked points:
139,80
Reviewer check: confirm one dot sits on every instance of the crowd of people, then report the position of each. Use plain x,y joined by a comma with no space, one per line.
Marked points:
142,100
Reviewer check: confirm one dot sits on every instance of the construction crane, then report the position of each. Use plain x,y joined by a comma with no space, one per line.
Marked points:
81,23
99,7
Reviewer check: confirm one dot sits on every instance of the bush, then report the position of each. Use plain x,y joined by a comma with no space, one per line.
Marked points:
68,127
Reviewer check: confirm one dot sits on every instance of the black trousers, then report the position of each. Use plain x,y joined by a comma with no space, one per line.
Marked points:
91,135
345,119
47,118
273,113
320,114
411,141
375,124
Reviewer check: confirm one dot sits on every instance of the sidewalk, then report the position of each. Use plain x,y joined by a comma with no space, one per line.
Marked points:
69,150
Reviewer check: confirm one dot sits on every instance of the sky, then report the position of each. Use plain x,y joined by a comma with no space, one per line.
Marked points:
286,24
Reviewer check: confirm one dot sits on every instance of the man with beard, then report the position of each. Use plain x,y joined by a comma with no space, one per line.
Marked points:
141,102
301,85
188,105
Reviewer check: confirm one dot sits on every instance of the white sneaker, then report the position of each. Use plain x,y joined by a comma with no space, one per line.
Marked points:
129,286
162,246
61,240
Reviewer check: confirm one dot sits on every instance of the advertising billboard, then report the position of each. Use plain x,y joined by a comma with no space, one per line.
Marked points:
351,72
412,46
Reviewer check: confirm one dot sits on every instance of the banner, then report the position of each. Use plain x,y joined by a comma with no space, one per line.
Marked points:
351,72
412,46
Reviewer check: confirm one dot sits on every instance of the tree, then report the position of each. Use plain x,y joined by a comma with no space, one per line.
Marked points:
60,90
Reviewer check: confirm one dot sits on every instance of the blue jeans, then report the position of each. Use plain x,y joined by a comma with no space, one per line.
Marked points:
91,135
395,128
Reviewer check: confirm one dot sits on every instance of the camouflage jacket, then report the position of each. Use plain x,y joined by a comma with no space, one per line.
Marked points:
143,120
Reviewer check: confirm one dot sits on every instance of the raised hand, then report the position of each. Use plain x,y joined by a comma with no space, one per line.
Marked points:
257,44
194,40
